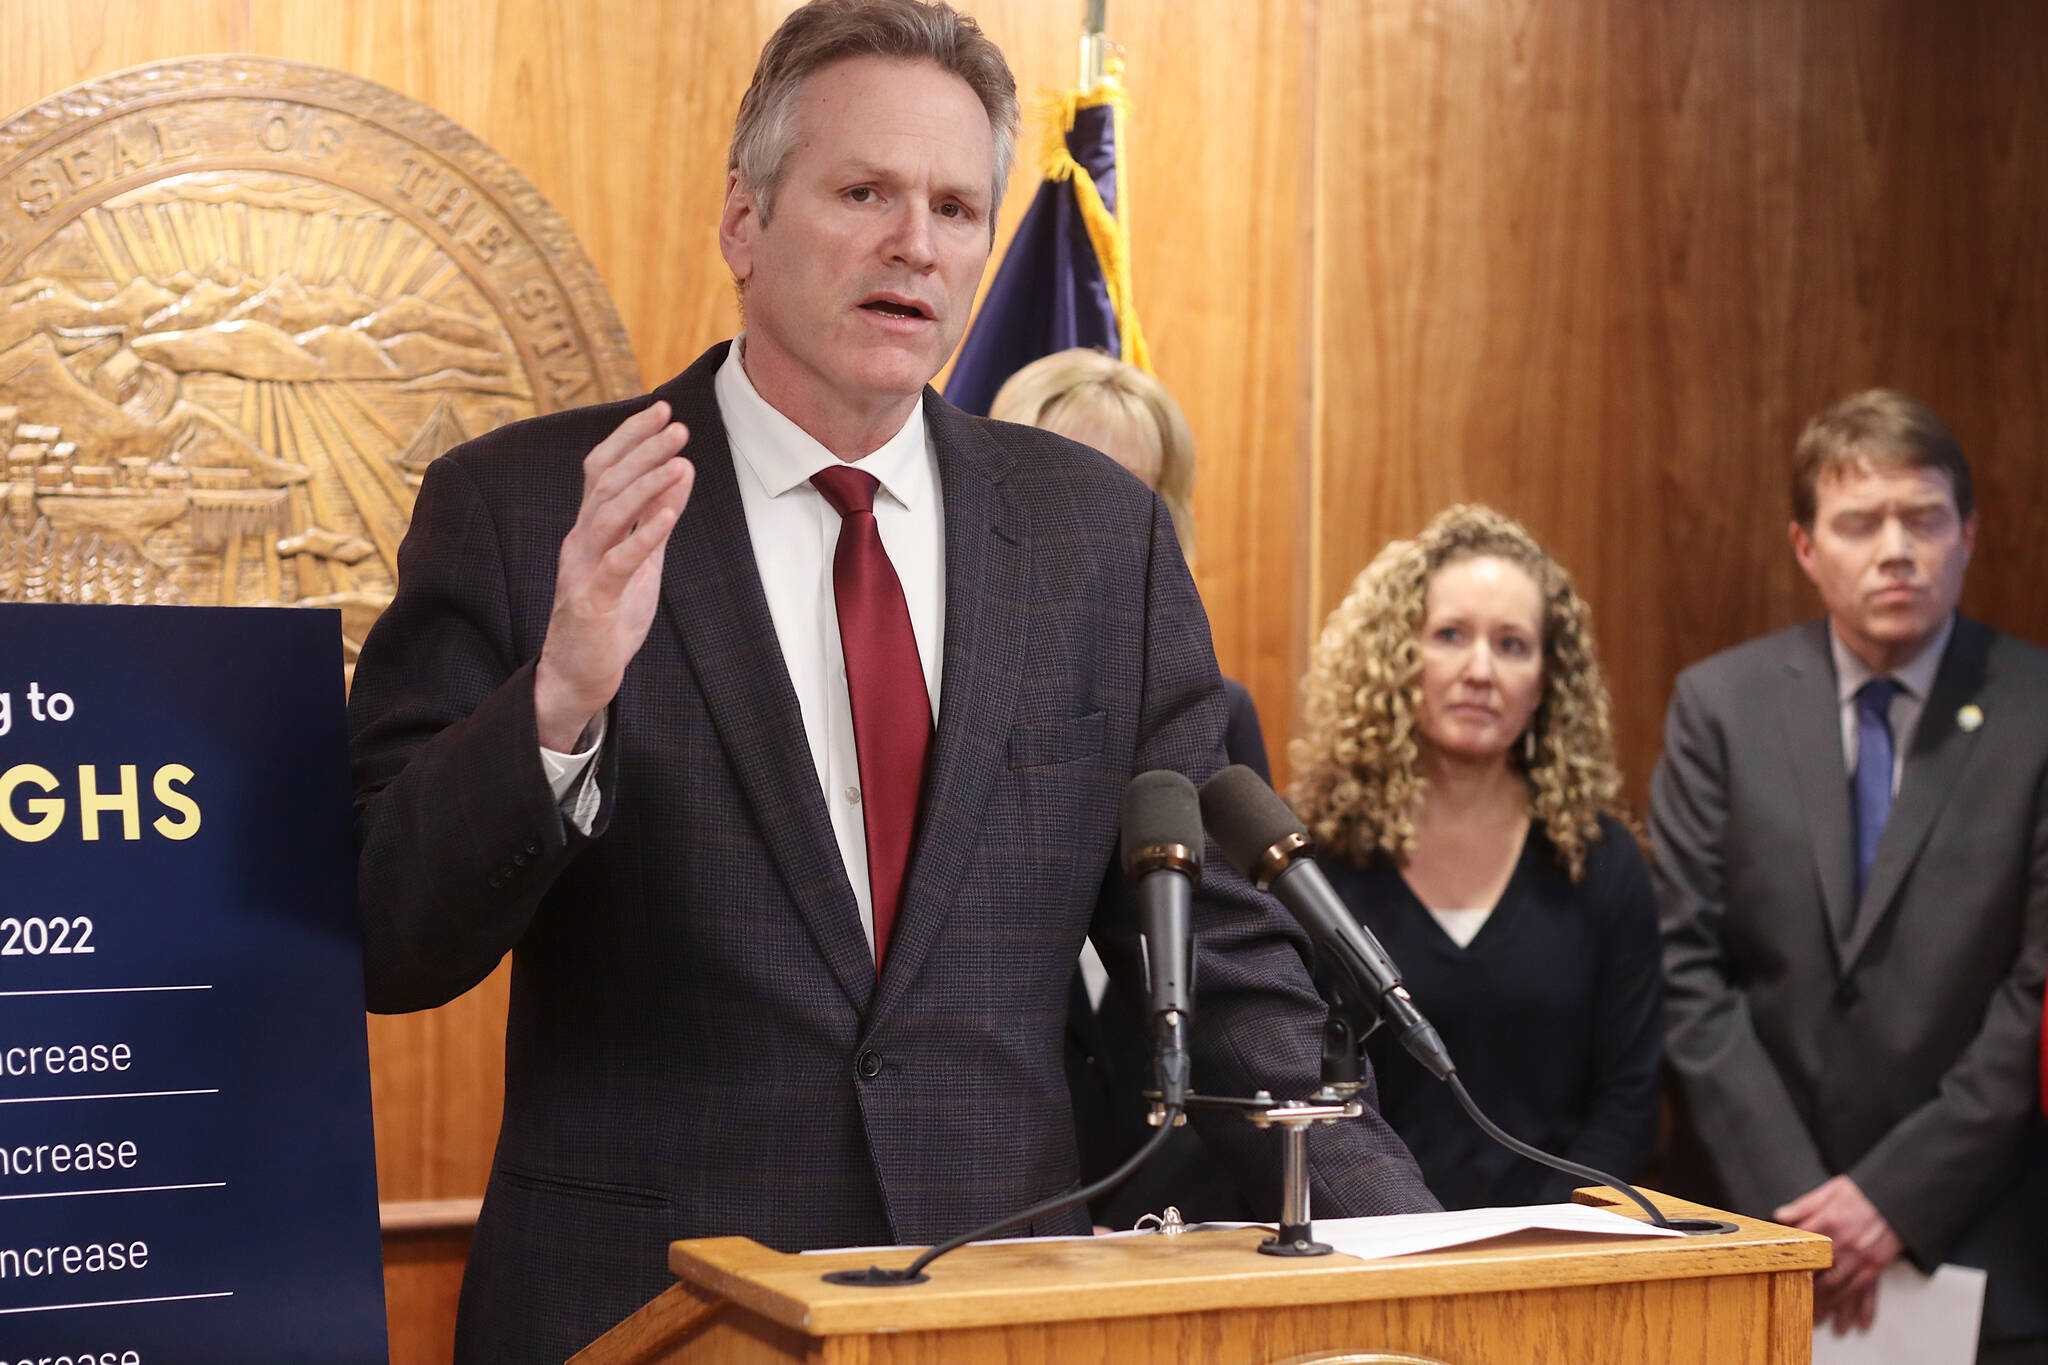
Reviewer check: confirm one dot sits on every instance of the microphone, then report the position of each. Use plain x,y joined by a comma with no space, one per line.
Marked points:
1162,855
1261,837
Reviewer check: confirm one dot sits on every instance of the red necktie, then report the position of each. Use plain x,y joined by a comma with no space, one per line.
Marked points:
892,714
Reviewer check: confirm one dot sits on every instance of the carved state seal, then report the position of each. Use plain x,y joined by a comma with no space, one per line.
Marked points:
243,303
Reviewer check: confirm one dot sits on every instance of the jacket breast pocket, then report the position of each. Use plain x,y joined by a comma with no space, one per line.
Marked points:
1047,743
581,1189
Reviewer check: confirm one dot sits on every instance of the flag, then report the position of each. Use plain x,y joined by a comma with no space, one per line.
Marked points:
1066,279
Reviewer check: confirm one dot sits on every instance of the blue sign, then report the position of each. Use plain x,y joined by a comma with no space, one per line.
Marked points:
186,1172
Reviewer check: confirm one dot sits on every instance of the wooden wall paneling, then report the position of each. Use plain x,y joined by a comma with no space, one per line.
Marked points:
437,1083
1481,264
619,111
1390,212
1220,163
1721,133
52,44
1216,199
1596,265
422,1281
1954,270
2013,487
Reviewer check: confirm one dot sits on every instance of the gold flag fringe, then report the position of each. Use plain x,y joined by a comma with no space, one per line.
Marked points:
1109,237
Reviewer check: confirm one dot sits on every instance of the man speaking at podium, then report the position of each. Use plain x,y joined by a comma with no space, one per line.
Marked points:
777,725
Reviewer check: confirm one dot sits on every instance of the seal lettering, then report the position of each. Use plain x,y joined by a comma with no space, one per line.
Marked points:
409,174
124,149
285,131
35,193
166,148
488,241
568,383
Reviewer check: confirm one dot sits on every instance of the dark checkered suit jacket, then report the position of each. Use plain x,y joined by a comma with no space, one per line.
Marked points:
698,1044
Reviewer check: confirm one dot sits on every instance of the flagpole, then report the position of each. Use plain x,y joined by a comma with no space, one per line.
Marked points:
1094,44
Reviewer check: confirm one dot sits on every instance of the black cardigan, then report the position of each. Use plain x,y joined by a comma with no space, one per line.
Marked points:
1553,1013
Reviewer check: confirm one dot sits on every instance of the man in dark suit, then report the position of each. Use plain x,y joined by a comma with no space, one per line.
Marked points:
788,773
1851,827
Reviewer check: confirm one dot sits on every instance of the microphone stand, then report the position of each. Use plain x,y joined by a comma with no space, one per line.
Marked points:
1267,844
1345,1031
1171,1070
1296,1234
1161,852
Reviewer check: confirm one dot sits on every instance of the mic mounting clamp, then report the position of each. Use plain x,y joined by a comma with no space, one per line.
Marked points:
1296,1234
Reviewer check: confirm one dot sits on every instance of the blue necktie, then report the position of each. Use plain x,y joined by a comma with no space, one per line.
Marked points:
1873,782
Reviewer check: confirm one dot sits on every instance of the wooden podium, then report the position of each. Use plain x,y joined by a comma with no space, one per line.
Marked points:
1739,1298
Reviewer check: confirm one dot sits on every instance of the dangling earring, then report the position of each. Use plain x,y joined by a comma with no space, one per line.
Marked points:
1529,748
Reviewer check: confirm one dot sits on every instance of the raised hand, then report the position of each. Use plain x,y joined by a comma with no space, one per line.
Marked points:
608,580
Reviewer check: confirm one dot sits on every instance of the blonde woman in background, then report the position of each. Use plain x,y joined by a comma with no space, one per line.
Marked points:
1458,774
1129,416
1123,412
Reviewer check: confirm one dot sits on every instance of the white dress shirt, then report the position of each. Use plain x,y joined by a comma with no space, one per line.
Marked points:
794,533
1915,679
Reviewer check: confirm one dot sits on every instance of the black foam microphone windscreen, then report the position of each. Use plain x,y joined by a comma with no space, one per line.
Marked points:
1245,816
1161,815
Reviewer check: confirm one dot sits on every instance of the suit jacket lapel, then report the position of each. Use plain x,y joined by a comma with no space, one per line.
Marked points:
1812,717
711,592
988,567
1940,750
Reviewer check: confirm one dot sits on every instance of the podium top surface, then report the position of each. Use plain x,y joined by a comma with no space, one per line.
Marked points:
1063,1279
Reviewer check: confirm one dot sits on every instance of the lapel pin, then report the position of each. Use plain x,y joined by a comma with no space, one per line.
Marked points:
1969,719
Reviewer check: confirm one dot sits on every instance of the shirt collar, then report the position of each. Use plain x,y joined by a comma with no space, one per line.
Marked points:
1915,676
782,455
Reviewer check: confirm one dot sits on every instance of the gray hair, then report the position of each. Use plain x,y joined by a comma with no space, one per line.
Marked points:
828,31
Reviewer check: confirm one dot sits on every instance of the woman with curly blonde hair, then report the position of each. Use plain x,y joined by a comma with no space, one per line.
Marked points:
1459,761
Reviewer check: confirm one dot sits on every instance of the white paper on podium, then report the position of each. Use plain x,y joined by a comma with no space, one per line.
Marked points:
1404,1234
1921,1320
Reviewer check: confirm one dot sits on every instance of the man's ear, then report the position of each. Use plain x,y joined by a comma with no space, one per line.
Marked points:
1802,546
739,224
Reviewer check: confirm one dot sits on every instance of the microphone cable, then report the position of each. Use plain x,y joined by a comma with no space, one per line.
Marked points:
1264,840
914,1272
1537,1154
1160,848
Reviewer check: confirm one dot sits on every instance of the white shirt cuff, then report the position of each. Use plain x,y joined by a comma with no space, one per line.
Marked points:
569,776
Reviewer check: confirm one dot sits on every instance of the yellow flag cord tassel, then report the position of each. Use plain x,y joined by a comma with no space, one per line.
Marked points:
1107,235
